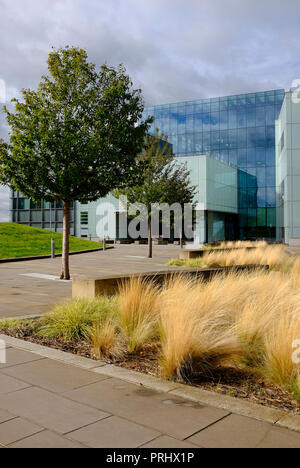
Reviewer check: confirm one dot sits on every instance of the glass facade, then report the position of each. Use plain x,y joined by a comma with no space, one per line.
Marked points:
239,131
43,215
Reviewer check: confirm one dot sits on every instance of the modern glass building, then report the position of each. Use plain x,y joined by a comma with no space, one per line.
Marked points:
236,135
43,215
238,131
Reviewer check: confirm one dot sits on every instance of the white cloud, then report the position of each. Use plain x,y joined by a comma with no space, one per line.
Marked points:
174,49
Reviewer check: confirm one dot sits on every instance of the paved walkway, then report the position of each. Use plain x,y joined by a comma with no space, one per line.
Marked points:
25,295
49,404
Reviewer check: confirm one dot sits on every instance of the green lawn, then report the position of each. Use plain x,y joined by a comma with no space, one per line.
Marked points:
23,241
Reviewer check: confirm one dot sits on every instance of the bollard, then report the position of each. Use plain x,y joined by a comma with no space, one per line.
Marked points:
104,245
52,248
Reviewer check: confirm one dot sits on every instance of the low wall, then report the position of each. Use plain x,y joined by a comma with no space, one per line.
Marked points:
84,287
192,254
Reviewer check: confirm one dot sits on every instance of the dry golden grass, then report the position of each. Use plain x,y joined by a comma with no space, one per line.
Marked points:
243,320
276,256
242,244
138,312
105,340
196,334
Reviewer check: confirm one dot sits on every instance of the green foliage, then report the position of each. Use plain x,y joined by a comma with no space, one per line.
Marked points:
71,320
24,241
77,136
18,327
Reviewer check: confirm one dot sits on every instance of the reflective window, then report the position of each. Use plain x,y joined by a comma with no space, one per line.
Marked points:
237,130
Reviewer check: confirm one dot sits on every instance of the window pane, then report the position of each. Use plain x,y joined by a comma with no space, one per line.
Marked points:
260,156
251,137
198,123
233,157
271,176
261,177
242,157
242,138
261,137
198,142
224,120
271,217
261,217
260,116
251,217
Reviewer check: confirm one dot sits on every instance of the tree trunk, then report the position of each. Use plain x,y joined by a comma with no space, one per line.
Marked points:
150,245
65,273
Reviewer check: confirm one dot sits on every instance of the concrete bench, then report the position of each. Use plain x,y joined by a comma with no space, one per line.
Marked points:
84,287
160,242
192,254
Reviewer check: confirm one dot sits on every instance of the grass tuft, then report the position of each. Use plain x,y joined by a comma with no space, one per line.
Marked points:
70,320
138,312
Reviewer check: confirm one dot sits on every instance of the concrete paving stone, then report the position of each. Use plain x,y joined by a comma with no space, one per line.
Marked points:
176,417
290,422
15,357
46,440
233,405
21,295
5,416
17,429
280,438
114,432
165,442
50,411
136,377
9,384
53,375
233,432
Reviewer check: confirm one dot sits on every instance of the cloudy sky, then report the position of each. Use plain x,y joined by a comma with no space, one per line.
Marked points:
174,49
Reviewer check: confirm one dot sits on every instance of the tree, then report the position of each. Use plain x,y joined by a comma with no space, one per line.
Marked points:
164,180
76,138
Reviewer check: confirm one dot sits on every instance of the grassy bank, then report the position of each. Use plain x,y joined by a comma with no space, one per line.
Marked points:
23,241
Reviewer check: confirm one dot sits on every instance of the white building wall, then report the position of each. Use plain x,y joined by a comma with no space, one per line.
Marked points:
288,171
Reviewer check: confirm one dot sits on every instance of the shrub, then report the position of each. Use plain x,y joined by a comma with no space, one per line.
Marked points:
105,339
70,320
196,336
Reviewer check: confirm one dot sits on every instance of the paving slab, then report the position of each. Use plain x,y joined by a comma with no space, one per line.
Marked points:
74,411
25,295
9,384
5,416
114,432
176,417
242,432
15,357
165,442
49,410
17,429
280,438
46,440
53,375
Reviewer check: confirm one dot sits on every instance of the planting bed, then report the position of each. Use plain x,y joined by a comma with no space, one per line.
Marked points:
231,333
